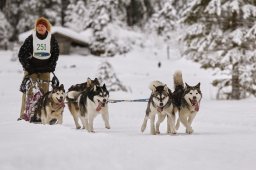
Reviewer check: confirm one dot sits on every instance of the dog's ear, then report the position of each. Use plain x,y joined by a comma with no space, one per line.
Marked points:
104,86
153,88
198,86
89,82
62,86
187,86
96,81
166,88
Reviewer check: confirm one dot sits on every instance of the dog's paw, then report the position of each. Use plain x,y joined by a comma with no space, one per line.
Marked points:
78,127
53,122
189,130
143,128
157,132
172,132
107,127
153,132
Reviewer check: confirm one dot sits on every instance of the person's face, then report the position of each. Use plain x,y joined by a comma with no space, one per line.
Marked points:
41,29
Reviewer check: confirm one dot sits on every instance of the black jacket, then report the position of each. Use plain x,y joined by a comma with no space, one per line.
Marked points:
33,65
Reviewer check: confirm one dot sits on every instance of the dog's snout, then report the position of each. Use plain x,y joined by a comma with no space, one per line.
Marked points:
194,97
61,97
104,100
161,104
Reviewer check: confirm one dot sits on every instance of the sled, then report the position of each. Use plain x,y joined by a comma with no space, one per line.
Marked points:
31,100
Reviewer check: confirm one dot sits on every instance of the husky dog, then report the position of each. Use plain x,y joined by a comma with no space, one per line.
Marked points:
75,90
49,108
186,100
160,103
90,102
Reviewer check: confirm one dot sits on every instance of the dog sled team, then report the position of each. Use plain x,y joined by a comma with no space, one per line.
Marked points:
86,100
38,57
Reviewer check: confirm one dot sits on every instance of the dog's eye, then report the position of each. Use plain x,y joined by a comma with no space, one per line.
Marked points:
190,93
196,93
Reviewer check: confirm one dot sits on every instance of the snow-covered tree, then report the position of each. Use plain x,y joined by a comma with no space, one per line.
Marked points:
107,75
33,9
164,20
51,9
29,13
180,6
77,16
103,14
5,31
12,13
221,36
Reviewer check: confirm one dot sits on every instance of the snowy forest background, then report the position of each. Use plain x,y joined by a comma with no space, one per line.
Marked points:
218,34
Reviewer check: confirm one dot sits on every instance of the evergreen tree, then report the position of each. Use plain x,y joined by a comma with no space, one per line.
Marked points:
51,9
64,7
135,12
103,14
33,9
5,31
180,6
140,11
2,4
13,12
77,16
164,20
107,75
218,37
29,13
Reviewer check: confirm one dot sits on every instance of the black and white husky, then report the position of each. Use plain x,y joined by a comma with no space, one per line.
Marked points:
187,101
91,101
75,90
49,108
160,103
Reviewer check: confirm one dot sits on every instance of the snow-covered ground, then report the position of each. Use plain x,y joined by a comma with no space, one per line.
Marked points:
224,138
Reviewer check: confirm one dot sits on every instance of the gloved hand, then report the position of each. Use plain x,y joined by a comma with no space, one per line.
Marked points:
30,70
27,66
51,68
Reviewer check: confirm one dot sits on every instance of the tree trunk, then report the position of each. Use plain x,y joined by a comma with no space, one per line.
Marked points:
235,82
64,5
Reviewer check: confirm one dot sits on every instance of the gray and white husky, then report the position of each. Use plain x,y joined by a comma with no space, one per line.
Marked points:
186,100
160,103
49,108
91,101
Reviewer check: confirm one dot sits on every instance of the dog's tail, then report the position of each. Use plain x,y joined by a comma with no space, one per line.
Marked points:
177,124
154,84
72,96
177,79
144,124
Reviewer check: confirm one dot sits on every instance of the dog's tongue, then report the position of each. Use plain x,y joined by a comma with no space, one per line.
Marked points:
99,107
159,109
63,104
197,107
195,103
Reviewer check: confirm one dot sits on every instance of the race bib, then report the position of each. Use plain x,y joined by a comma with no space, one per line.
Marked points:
41,48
